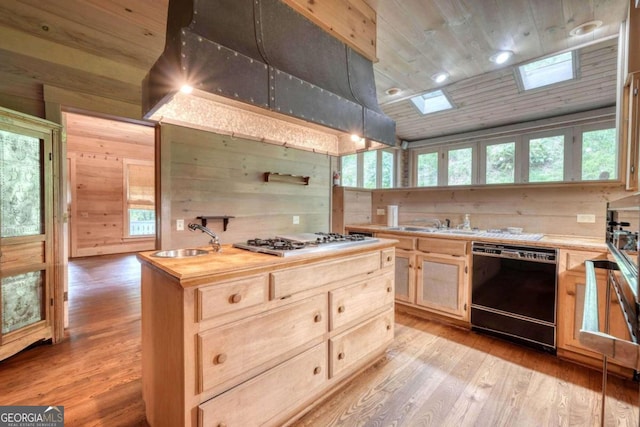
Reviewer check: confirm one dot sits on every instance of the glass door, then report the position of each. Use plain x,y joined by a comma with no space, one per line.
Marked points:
26,232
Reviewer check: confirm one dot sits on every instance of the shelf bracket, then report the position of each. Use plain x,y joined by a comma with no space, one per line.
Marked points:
225,220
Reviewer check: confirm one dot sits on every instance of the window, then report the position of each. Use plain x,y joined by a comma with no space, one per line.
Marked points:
427,169
459,170
500,161
546,159
584,151
547,71
387,171
370,169
349,169
432,102
140,198
599,154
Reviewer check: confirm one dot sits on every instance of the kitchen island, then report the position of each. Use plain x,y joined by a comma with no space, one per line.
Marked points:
243,338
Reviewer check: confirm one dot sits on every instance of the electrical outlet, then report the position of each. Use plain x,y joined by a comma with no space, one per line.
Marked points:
180,224
589,218
296,219
380,211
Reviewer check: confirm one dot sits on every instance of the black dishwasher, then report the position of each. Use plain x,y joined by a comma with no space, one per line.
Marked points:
513,293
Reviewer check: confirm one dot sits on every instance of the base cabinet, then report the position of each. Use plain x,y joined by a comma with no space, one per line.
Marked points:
571,292
260,349
432,276
441,284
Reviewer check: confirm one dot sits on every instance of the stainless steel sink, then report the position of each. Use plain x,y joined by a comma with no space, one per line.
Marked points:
461,232
180,253
413,228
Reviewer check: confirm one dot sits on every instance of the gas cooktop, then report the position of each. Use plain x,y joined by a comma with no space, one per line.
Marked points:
305,243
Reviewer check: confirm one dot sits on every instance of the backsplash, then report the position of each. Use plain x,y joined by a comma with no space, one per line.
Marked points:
537,209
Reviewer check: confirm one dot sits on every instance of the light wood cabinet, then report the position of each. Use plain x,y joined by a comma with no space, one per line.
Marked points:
432,275
405,276
571,292
442,284
258,349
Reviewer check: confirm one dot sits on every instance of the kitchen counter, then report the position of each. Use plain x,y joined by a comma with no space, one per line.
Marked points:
547,240
233,262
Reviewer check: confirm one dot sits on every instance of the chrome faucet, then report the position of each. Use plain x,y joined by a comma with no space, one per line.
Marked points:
215,242
434,221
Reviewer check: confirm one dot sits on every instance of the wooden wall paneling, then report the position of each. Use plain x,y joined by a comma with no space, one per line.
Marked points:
211,174
543,209
93,103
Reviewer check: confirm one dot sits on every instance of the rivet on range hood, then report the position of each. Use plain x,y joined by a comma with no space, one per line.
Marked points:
260,70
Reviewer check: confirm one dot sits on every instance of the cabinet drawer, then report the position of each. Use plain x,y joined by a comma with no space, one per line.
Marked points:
223,298
442,246
232,351
574,260
260,400
357,301
387,257
288,282
353,346
404,242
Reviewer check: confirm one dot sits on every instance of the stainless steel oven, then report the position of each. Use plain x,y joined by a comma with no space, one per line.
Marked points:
513,293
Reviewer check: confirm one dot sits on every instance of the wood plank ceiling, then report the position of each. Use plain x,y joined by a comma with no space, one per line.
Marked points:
105,47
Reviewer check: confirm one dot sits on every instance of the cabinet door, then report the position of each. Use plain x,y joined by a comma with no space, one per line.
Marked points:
405,276
570,309
441,284
26,238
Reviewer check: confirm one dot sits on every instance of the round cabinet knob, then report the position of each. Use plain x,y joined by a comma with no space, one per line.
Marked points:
389,258
340,356
572,293
388,288
235,298
317,370
222,424
388,327
317,318
341,309
220,359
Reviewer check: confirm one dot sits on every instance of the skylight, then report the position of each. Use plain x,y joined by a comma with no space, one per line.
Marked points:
432,102
547,71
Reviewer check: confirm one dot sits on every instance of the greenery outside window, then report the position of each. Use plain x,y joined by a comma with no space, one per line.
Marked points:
369,169
427,169
460,166
546,158
500,163
139,186
599,154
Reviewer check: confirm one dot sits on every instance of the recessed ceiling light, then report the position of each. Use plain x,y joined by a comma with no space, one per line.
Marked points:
501,57
392,91
586,28
186,89
440,77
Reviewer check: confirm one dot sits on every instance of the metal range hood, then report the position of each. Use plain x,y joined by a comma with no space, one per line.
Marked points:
259,69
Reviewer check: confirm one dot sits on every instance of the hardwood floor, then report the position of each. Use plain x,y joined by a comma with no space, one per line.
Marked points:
433,374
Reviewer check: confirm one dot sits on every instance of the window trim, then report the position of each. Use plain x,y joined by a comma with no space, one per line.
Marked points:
474,161
577,151
482,158
567,164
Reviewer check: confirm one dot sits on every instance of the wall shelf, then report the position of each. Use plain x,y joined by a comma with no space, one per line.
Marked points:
225,220
287,178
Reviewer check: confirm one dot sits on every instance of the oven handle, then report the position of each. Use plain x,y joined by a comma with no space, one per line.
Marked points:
625,352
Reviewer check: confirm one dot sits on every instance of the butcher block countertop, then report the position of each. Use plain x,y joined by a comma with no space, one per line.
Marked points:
233,262
547,240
